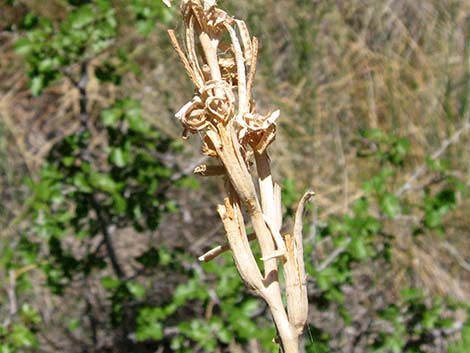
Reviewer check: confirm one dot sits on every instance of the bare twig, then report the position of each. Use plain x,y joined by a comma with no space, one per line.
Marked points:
108,241
101,215
455,253
332,257
11,290
220,249
422,168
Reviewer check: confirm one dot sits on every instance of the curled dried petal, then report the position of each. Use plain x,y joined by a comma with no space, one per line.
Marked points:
259,140
251,123
193,115
219,101
214,104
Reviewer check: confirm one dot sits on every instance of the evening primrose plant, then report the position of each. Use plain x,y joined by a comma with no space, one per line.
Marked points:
220,59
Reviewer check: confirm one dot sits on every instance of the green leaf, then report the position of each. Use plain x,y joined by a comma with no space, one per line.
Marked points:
289,192
324,279
68,160
145,27
151,330
165,256
447,323
167,15
118,157
374,134
171,206
177,342
104,182
151,314
29,314
249,307
110,283
243,325
6,348
358,248
23,46
218,326
47,65
82,17
200,332
411,294
36,85
23,337
395,344
390,205
81,182
433,218
110,117
189,183
360,206
74,324
390,313
120,203
136,289
136,121
431,317
399,150
189,291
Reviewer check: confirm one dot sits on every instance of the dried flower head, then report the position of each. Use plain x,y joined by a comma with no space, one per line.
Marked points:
220,75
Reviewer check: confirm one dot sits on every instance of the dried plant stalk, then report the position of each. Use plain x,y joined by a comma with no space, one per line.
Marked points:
223,112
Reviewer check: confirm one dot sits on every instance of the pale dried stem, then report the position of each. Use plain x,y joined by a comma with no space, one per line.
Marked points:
268,202
278,205
231,216
209,47
241,73
294,271
266,186
183,58
190,45
241,180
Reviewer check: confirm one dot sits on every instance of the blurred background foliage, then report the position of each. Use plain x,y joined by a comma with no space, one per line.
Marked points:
101,221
